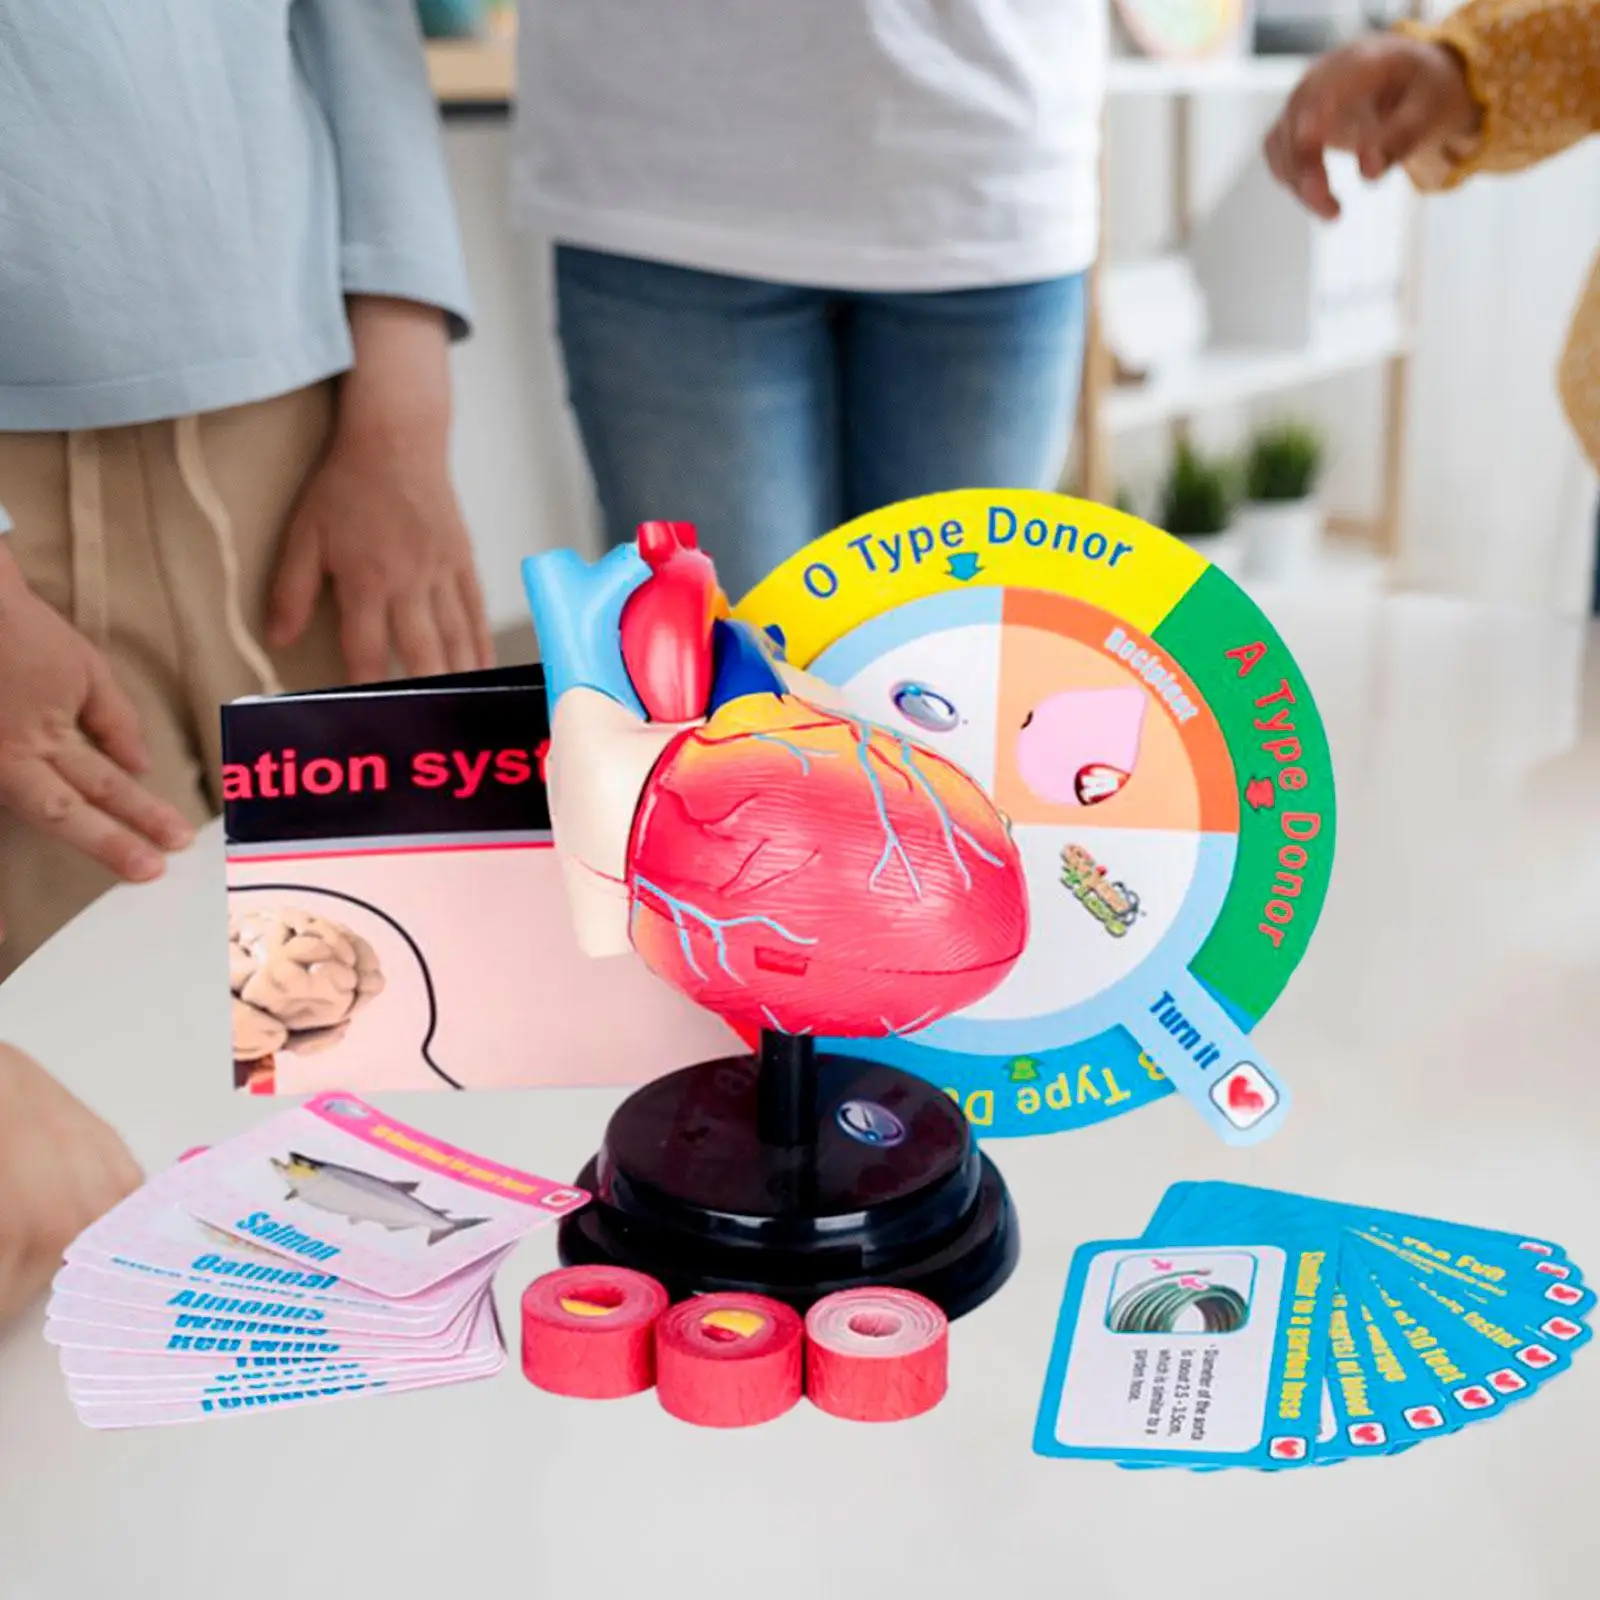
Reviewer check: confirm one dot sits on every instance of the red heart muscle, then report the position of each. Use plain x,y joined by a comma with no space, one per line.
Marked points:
795,869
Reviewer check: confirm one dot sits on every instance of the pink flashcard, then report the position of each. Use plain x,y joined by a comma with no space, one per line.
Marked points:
91,1397
150,1236
192,1377
91,1387
145,1414
106,1389
94,1325
179,1386
341,1187
86,1361
169,1299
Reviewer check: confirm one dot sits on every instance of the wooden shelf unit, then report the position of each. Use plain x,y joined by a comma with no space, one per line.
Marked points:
1222,377
475,73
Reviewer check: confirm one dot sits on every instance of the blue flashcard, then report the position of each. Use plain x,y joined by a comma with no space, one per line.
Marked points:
1452,1356
1172,1202
1492,1264
1367,1416
1416,1371
1407,1389
1497,1349
1526,1251
1192,1354
1490,1276
1337,1331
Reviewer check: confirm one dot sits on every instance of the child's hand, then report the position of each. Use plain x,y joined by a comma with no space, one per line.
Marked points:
1387,99
70,750
382,526
379,519
61,1168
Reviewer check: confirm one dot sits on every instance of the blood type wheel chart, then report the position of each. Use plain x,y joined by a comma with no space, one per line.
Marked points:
1161,762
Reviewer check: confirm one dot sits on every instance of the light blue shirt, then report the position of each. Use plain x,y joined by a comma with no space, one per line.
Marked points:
190,188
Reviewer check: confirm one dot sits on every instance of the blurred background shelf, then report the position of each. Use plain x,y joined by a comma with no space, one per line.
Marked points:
1231,377
1139,75
1298,321
481,73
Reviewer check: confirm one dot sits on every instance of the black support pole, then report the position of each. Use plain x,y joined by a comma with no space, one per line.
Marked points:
786,1090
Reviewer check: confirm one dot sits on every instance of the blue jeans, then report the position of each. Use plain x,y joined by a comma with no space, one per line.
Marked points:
767,414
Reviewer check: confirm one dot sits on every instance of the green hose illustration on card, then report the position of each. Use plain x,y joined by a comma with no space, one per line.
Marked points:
1161,1305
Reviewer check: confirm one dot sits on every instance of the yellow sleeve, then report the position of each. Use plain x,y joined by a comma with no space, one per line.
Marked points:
1534,67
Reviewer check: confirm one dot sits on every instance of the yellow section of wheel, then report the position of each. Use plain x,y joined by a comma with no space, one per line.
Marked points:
971,538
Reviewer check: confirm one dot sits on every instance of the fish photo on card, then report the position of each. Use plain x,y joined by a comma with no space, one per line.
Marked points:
363,1197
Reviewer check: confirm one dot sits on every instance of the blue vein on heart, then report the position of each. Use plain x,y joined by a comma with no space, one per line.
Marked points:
683,913
954,835
799,752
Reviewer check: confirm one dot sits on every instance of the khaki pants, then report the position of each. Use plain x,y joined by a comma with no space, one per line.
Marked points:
159,543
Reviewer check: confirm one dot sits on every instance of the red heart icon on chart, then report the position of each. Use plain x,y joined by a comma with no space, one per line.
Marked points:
1367,1433
1244,1096
1535,1355
1421,1417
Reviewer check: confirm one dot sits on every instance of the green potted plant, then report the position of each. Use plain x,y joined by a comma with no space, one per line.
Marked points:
1281,519
451,19
1197,505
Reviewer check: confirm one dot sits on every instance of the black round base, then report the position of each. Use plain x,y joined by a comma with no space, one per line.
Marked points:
885,1186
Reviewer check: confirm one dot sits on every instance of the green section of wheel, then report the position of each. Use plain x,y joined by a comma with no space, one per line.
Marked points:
1285,778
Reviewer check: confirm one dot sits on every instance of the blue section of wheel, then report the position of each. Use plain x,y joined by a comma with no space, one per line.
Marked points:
963,608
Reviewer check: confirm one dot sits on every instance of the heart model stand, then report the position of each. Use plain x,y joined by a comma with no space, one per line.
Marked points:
791,1171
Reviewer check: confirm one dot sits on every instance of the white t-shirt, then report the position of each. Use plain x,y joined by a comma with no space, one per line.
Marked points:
850,144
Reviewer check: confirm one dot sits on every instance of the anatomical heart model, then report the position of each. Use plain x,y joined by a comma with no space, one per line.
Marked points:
805,874
783,863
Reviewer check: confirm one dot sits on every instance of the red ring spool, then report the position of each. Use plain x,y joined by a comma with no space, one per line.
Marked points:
729,1360
876,1355
589,1331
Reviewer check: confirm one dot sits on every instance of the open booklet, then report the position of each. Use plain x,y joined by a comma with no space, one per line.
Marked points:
396,914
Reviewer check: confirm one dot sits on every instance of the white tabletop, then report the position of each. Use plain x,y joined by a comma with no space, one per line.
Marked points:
1439,1040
